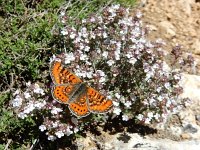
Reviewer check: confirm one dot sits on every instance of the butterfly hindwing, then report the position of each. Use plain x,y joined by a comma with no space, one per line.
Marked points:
61,93
79,107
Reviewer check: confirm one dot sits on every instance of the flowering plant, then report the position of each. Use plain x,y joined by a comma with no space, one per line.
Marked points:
111,53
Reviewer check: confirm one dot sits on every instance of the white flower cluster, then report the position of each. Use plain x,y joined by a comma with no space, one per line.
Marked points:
56,129
29,100
112,49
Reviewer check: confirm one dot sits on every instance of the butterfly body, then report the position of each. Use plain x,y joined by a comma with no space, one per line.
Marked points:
81,98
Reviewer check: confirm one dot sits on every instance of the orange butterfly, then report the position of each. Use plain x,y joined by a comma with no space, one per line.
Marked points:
69,89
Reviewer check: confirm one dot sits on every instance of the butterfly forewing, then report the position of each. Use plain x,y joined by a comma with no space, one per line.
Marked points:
61,75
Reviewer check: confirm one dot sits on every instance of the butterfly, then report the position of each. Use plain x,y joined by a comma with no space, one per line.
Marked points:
71,90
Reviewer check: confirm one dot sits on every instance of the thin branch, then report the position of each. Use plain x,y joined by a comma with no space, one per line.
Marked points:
8,143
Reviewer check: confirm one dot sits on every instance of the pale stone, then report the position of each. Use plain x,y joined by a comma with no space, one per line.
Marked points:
196,46
168,27
191,87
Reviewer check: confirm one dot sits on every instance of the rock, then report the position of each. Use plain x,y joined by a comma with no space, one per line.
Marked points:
190,129
185,136
197,117
185,5
169,28
191,88
138,142
196,46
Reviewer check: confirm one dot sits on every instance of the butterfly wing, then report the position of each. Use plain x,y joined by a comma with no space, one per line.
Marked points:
61,75
97,103
79,106
65,82
62,93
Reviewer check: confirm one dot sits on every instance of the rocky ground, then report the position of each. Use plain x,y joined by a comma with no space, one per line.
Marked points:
175,21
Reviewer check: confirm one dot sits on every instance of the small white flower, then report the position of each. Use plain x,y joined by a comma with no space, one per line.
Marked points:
29,108
62,13
139,14
69,57
64,32
160,98
53,58
69,131
77,39
117,111
147,120
117,95
177,77
102,80
89,74
140,117
27,95
150,115
168,104
17,102
159,89
85,35
157,116
92,19
38,90
55,124
76,130
115,103
87,48
39,105
129,55
149,75
167,85
42,128
117,55
29,82
155,66
152,100
128,104
118,44
83,57
132,61
116,6
105,35
59,134
22,115
51,138
125,117
83,21
92,35
101,73
56,110
72,35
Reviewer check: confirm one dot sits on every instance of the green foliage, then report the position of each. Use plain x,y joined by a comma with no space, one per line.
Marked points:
26,43
127,3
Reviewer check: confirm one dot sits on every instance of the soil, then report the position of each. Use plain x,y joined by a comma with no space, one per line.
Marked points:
176,22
